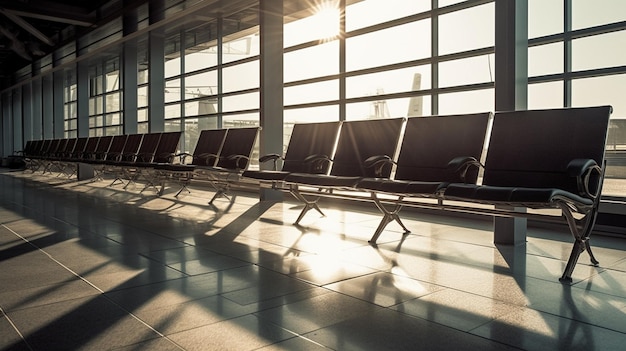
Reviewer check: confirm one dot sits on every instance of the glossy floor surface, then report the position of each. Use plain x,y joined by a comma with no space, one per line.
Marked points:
84,266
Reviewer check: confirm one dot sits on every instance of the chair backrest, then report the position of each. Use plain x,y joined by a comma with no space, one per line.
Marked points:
148,147
34,149
131,147
45,147
98,150
53,148
533,148
208,147
79,148
168,144
238,142
68,150
359,140
27,147
116,148
309,139
430,143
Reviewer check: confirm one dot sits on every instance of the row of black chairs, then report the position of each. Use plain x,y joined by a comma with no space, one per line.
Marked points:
541,159
123,155
219,157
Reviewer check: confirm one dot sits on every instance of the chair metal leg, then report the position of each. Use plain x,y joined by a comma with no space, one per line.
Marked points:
581,241
309,204
389,215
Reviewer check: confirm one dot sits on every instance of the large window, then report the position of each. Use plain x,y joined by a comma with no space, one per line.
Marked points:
582,65
105,98
70,105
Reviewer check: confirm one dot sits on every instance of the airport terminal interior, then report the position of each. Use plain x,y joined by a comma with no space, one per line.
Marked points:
88,262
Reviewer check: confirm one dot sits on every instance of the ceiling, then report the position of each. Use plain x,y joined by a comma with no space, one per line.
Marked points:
30,29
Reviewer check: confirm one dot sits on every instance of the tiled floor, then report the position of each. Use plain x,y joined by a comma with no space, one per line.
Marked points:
84,266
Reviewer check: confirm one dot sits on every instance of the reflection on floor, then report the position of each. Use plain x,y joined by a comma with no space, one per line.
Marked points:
85,266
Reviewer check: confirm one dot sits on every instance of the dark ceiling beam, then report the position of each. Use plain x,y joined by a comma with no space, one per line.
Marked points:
51,11
27,27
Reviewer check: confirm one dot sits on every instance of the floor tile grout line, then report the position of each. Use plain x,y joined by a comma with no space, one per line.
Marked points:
16,329
102,293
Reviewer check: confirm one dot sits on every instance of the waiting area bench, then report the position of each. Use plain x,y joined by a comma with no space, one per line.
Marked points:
502,165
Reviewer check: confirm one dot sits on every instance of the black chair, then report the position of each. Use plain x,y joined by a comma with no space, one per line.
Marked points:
358,142
233,159
308,142
435,152
205,154
546,159
116,158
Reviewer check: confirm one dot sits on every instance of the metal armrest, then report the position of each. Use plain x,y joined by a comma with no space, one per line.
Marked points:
378,162
460,165
317,162
270,157
588,176
182,157
237,159
206,157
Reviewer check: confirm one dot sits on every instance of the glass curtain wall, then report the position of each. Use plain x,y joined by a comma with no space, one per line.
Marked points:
374,59
575,58
105,98
212,75
70,103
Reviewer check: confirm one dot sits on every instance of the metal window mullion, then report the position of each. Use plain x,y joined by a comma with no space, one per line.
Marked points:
434,53
220,61
342,60
567,53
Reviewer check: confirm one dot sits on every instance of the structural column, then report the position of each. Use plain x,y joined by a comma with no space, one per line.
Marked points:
156,73
511,68
271,61
130,68
82,98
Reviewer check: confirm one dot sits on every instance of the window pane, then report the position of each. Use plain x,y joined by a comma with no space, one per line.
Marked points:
142,115
599,51
388,108
312,114
545,59
367,13
393,45
315,92
589,13
172,125
468,29
322,24
388,82
466,71
202,84
113,119
607,90
466,102
545,95
201,107
113,102
241,121
241,77
545,17
241,102
142,96
172,111
200,57
317,61
172,90
241,48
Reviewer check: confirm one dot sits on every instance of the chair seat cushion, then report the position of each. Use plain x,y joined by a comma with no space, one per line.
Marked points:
174,167
527,197
266,174
323,180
